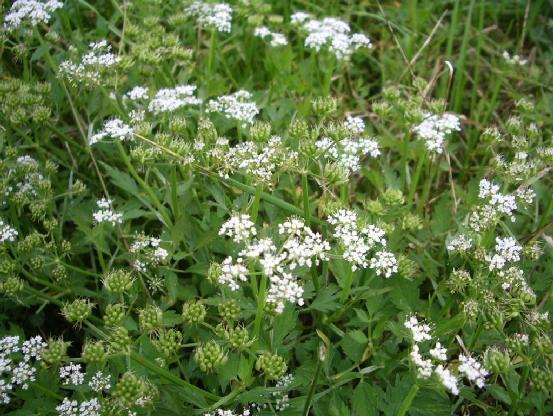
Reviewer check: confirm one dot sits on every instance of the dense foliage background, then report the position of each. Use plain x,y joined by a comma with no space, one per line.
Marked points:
367,229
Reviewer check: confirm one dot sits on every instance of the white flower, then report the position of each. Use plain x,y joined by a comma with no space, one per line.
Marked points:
330,33
97,61
448,380
137,93
507,250
100,382
232,273
33,11
235,106
439,352
116,129
105,213
434,129
473,370
275,38
420,331
22,374
147,252
33,348
7,232
239,228
217,16
355,125
171,99
424,367
515,60
384,263
284,288
71,374
460,243
90,407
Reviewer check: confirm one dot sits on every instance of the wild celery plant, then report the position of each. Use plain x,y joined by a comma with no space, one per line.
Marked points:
275,207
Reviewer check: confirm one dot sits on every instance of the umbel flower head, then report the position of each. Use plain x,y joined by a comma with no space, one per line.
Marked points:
33,12
78,310
272,365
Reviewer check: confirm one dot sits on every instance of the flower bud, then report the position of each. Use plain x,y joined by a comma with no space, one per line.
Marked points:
118,281
238,337
114,314
260,131
119,341
193,312
229,311
210,356
56,351
150,318
129,389
496,360
272,365
324,106
168,342
78,310
94,352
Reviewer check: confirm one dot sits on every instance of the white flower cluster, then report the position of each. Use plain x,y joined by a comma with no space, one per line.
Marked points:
13,373
100,382
116,129
7,232
146,252
507,250
301,247
434,129
71,374
496,205
514,60
459,244
239,227
32,11
90,407
106,213
436,364
217,16
473,370
331,33
349,152
257,159
275,38
237,106
137,93
97,61
221,412
171,99
358,241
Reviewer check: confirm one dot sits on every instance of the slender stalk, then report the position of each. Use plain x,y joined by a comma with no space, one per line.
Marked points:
256,202
408,400
347,286
309,398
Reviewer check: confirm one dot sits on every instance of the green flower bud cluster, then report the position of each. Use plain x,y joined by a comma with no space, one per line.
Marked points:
78,310
237,337
458,280
193,312
114,314
407,267
324,106
94,352
210,356
118,281
150,318
11,285
229,311
299,130
168,342
129,390
260,131
497,361
272,365
411,222
56,351
542,379
392,197
119,340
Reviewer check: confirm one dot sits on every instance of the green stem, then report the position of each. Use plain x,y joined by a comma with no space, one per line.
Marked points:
309,398
260,313
408,400
256,201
